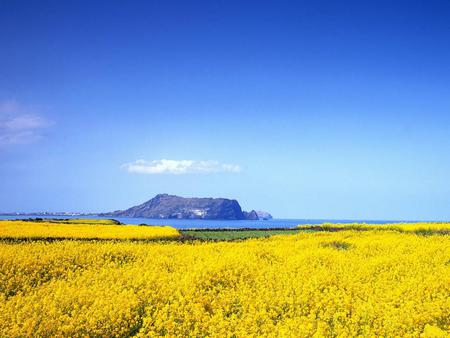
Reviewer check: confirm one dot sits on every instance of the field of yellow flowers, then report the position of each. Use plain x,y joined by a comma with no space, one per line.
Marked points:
312,284
421,227
82,229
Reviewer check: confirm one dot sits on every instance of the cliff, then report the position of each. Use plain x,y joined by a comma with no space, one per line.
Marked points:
170,206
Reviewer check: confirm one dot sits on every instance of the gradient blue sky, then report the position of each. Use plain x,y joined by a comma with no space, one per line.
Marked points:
329,109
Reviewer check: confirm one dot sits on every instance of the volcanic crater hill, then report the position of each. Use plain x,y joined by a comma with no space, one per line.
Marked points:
171,206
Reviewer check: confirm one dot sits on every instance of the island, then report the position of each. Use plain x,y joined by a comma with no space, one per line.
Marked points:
167,206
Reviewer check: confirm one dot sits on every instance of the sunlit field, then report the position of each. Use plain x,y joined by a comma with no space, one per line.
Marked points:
420,228
82,229
338,284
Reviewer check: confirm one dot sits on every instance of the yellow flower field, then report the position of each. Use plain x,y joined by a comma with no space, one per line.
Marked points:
431,227
99,221
82,230
319,284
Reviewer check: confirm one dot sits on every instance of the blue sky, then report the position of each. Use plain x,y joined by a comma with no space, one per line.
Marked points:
307,109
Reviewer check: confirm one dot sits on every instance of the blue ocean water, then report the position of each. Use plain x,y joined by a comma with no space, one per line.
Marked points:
215,224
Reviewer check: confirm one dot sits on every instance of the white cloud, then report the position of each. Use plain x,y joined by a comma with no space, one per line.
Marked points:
20,123
178,167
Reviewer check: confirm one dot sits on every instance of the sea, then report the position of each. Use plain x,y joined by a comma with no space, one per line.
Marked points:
213,224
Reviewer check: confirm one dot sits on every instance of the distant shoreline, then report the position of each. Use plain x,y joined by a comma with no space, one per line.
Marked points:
184,224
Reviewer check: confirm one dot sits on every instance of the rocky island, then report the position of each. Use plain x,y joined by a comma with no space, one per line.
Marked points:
171,206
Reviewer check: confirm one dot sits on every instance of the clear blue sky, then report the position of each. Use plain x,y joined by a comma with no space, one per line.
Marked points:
310,109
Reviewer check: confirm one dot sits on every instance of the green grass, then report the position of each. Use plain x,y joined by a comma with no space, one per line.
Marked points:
229,235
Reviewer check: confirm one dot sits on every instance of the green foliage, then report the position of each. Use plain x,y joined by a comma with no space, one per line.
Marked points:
229,235
337,245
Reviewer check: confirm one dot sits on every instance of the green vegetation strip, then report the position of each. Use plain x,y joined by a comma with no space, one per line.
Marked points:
229,235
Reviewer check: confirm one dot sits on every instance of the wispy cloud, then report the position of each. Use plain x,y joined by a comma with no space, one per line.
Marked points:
20,123
178,167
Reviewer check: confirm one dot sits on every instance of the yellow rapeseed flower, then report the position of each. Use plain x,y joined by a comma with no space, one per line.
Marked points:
317,284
